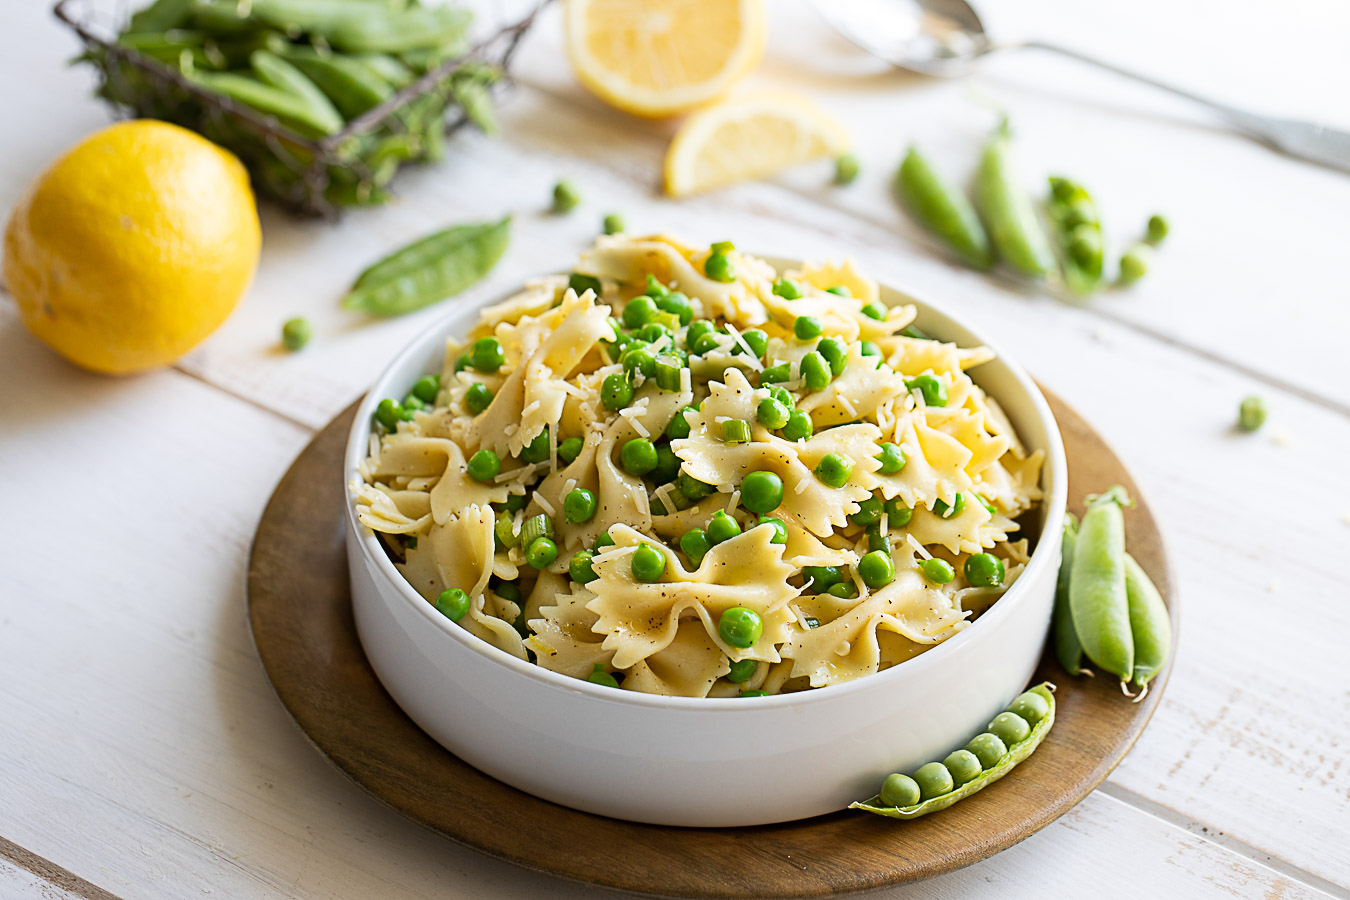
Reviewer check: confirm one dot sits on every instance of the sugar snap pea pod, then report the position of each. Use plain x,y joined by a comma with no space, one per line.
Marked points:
351,85
1150,625
1007,210
286,106
280,74
470,89
1078,234
1097,597
1017,752
387,67
429,270
223,18
160,16
942,209
1067,647
169,46
366,27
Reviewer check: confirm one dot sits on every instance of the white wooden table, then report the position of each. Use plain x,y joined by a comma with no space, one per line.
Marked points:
142,753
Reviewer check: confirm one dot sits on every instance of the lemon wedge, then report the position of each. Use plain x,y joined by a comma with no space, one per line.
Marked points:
658,58
749,137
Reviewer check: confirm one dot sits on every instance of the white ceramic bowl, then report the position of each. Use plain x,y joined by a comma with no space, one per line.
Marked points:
703,762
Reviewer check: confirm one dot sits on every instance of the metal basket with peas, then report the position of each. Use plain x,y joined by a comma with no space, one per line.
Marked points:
323,100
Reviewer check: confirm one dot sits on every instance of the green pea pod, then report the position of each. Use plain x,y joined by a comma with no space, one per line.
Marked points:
351,85
471,93
275,71
366,27
266,99
387,67
941,208
1097,597
1067,646
356,193
1007,210
431,269
1016,753
222,18
1150,625
1078,235
389,153
160,16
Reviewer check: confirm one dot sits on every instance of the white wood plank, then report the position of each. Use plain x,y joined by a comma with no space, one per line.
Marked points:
20,884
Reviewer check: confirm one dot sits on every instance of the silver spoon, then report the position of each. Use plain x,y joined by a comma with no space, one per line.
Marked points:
946,38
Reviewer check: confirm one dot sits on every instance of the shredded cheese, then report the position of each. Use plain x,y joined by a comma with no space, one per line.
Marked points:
544,504
749,353
918,548
847,405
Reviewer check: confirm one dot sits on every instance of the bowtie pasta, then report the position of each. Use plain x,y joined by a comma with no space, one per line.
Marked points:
678,471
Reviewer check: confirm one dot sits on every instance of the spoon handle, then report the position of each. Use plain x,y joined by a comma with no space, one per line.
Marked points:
1317,143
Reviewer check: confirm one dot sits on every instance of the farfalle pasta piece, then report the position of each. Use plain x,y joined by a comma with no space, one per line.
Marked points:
689,665
440,459
855,393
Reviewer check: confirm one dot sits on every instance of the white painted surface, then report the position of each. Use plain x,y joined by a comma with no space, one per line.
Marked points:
141,747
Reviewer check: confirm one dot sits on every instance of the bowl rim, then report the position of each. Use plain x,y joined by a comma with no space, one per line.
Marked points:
1054,503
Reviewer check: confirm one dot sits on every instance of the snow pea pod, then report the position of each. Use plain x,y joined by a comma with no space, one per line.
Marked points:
1067,646
428,270
1097,596
1150,625
265,99
1016,752
1007,210
352,86
942,209
280,74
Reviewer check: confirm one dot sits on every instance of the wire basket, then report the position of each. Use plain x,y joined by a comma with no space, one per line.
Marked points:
306,175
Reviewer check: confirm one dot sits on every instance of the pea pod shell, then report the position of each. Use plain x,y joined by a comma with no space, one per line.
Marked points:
941,208
264,98
1097,598
280,74
1007,210
1067,646
1150,625
1016,753
352,86
366,27
162,15
431,269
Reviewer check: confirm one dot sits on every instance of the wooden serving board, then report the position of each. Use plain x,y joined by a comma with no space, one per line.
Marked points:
299,608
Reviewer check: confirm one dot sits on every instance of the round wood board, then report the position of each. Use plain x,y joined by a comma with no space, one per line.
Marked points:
299,609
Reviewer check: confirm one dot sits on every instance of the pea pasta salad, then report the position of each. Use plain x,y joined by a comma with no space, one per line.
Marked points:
681,472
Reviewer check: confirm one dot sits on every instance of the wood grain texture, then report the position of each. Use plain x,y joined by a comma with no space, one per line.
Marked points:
300,613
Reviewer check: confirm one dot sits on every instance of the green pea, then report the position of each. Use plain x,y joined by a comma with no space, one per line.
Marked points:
779,529
693,488
761,492
869,512
1158,227
722,527
484,466
845,590
869,348
648,564
652,332
695,545
984,570
875,310
295,334
1085,245
616,391
580,568
536,451
487,354
677,429
798,427
411,405
835,353
601,677
757,340
1010,728
755,693
612,223
464,361
453,604
695,331
840,290
988,748
389,413
426,388
740,627
565,197
938,571
569,450
876,540
892,459
742,670
514,503
876,569
834,470
1031,706
508,590
815,371
846,169
772,414
806,328
934,392
705,344
899,790
963,765
933,780
638,456
775,374
638,311
897,513
603,541
541,553
1134,263
787,289
678,305
822,578
1251,413
583,283
719,267
944,510
667,465
735,431
579,506
782,395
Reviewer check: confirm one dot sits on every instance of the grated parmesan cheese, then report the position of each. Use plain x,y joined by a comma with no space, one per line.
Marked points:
731,504
568,485
544,504
663,494
848,407
919,549
686,382
749,353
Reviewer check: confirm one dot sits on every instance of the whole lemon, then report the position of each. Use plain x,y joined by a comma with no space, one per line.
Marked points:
133,246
